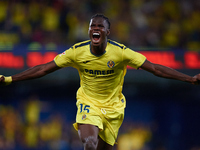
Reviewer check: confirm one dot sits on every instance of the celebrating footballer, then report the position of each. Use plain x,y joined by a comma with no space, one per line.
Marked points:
102,65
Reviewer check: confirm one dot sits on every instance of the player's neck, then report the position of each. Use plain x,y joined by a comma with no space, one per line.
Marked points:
99,50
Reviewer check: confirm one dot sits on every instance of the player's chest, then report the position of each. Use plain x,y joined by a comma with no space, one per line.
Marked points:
103,62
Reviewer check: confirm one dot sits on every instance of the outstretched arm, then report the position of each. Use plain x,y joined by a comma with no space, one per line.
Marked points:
166,72
32,73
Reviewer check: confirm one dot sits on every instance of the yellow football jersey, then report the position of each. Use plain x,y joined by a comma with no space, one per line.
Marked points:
101,77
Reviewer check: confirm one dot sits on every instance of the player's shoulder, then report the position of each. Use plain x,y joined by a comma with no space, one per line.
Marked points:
116,44
81,44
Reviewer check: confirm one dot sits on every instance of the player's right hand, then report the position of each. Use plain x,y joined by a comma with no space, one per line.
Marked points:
1,79
5,80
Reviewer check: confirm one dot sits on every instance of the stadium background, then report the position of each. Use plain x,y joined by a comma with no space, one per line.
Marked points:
161,114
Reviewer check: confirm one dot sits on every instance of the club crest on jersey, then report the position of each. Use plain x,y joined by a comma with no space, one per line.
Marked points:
83,117
110,64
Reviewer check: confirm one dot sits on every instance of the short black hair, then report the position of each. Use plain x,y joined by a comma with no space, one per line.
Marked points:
102,16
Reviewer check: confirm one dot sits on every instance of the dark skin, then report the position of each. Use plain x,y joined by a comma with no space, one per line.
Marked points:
89,133
100,26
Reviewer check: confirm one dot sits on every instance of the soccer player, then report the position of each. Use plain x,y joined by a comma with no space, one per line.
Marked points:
101,64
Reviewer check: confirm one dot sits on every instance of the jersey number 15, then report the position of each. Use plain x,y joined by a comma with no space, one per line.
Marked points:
84,108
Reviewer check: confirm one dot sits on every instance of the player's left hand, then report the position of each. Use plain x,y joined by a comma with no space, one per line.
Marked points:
196,79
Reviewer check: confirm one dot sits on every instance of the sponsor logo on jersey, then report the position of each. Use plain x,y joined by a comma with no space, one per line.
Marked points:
99,72
110,64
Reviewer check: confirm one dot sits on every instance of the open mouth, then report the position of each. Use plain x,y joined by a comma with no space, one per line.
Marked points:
96,37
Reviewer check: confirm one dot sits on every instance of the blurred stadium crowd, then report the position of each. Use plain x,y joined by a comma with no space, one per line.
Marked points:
21,127
136,23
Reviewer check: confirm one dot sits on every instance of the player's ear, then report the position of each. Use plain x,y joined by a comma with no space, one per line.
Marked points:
108,32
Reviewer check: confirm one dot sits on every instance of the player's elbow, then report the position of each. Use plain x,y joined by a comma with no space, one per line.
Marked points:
156,71
39,71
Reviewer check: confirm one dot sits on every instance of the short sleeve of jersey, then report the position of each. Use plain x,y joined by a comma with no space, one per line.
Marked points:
65,59
133,59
